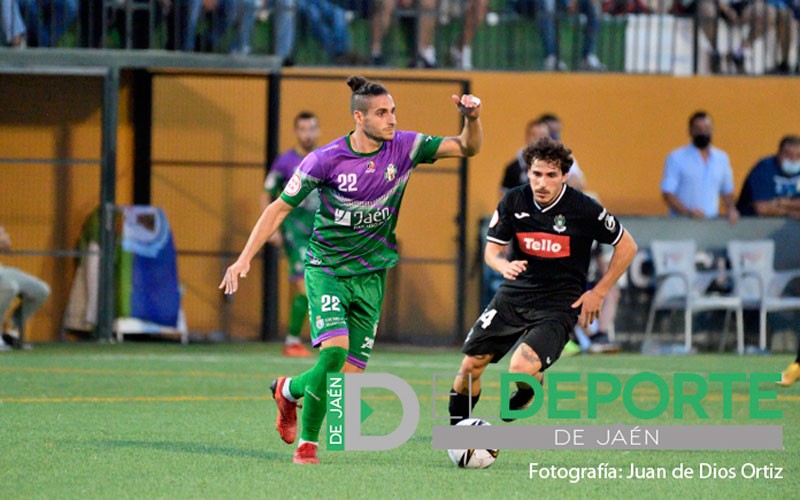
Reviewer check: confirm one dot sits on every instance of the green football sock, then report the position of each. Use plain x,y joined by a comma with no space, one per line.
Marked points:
297,315
312,384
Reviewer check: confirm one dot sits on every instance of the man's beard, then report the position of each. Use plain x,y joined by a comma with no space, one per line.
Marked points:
373,137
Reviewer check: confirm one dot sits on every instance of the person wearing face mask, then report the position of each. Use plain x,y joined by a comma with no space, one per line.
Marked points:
772,187
698,174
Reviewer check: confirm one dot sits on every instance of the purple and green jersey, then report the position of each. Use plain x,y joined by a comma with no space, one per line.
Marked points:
360,197
296,227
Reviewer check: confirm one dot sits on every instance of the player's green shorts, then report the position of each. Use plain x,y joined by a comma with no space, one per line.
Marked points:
345,306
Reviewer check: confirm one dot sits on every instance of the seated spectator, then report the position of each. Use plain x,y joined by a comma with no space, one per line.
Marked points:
544,11
45,21
426,16
14,283
13,27
224,15
473,16
326,22
698,174
94,34
788,13
758,15
771,187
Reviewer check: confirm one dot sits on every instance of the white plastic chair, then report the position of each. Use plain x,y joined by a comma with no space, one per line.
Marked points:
757,282
681,287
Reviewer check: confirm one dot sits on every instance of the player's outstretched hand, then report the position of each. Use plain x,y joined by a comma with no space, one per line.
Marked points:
230,283
468,105
589,303
512,269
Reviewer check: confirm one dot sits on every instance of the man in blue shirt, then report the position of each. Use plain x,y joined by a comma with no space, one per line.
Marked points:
696,175
772,187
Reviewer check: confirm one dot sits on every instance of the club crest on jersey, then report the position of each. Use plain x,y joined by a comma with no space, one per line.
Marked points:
610,223
391,172
293,186
320,322
560,223
370,168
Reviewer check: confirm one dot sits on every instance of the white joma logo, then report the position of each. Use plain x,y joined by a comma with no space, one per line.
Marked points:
521,215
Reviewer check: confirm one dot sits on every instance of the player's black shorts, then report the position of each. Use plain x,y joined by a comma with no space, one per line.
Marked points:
502,324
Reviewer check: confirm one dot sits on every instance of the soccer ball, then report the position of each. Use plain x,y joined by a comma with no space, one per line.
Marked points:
473,459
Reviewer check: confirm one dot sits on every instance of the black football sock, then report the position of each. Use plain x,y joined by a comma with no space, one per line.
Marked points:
459,406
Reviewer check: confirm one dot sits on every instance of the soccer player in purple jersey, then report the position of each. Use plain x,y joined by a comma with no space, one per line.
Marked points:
296,228
361,178
550,227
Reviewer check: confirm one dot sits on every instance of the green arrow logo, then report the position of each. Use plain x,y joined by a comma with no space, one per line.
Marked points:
366,411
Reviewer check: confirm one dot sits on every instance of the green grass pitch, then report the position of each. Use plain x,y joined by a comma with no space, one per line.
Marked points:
159,420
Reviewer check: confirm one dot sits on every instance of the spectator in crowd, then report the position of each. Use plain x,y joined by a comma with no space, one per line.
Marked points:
14,283
473,14
788,13
224,15
772,187
706,13
326,22
544,11
94,34
426,15
758,15
13,27
698,174
38,23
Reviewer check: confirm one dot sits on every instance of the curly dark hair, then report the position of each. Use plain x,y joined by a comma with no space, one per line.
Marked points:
363,90
551,151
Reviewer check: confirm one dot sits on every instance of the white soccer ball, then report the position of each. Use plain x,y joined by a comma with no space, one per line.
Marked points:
473,459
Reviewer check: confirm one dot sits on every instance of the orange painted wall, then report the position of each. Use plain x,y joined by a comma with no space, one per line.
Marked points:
43,206
620,127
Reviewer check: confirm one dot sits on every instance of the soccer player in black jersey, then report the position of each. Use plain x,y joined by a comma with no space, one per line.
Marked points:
550,228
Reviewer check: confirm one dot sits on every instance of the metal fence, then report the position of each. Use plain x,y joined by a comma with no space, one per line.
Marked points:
634,36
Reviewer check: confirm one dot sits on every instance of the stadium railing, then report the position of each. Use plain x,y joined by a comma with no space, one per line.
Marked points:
636,36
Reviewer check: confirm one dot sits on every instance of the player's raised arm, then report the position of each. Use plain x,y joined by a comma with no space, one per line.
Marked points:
468,143
271,218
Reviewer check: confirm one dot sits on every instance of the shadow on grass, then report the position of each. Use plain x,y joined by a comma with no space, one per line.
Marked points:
198,448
